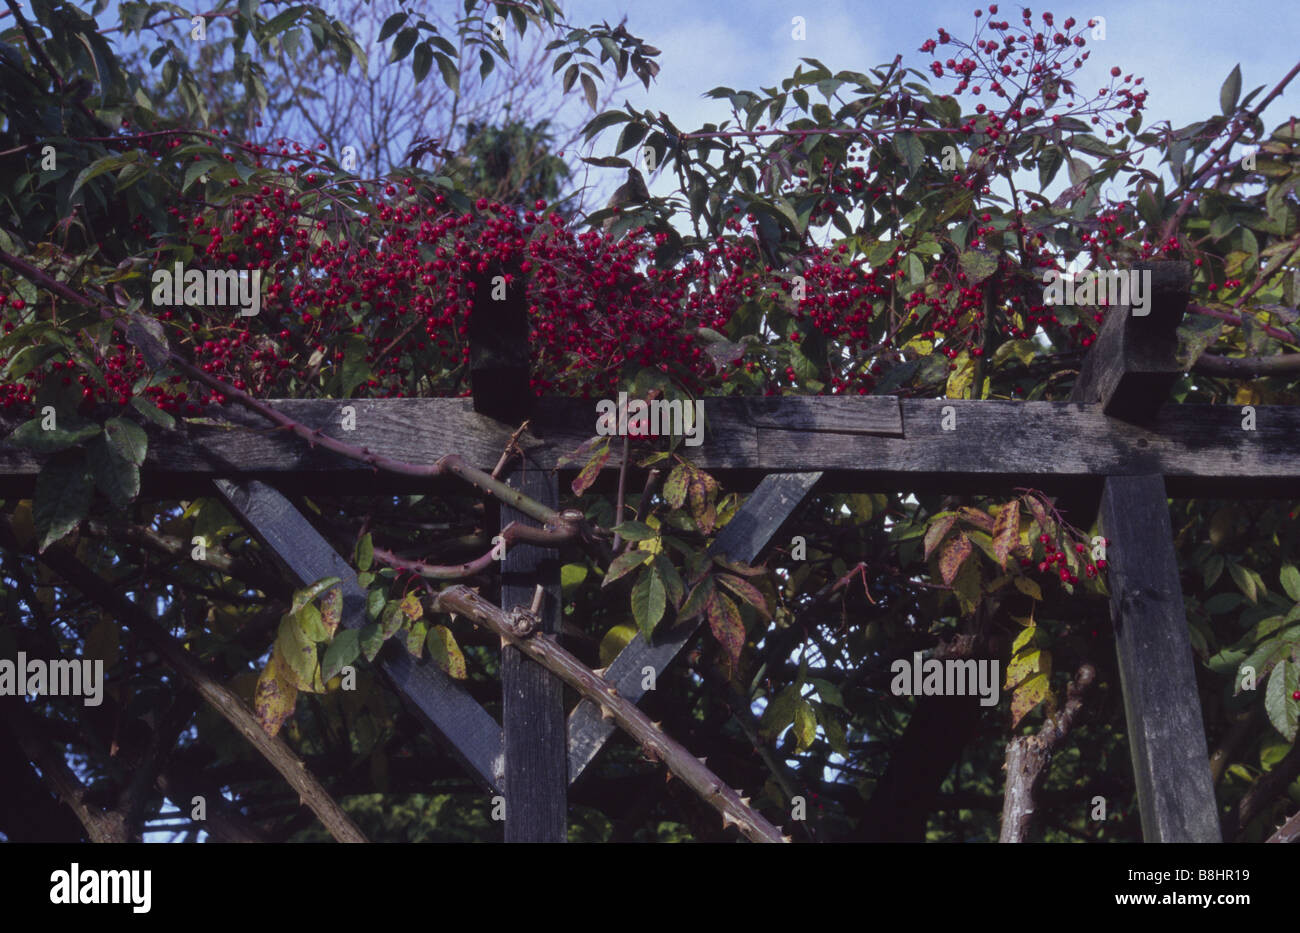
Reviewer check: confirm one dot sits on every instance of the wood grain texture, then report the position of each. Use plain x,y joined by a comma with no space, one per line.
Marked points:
1133,364
1201,449
536,780
743,539
1161,703
469,732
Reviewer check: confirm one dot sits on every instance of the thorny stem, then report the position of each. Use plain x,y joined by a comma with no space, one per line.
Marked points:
656,744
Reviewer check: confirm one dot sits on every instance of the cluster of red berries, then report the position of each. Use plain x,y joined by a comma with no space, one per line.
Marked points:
1056,558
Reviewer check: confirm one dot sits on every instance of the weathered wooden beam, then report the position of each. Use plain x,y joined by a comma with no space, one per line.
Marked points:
1133,364
1166,736
536,781
471,734
993,445
743,539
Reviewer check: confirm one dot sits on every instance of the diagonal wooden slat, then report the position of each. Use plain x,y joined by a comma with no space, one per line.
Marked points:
532,713
471,734
743,539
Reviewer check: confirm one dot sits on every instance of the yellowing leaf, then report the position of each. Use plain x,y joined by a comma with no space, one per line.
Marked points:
615,640
1029,587
445,652
805,724
962,378
275,696
1032,692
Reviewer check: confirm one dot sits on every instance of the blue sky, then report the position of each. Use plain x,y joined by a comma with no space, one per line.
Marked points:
1184,49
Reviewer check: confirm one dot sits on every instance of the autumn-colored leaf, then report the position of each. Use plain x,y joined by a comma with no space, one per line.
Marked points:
1030,693
587,475
415,638
624,564
675,486
697,601
390,620
746,591
701,494
736,567
411,607
940,525
977,517
1006,531
445,652
954,551
726,625
331,610
275,695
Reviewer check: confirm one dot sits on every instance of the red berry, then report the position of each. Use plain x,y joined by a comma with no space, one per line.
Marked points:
1101,565
1044,538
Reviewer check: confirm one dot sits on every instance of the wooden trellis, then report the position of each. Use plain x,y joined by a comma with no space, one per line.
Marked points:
1115,446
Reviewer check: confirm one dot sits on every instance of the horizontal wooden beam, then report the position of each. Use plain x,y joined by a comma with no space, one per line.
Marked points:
866,443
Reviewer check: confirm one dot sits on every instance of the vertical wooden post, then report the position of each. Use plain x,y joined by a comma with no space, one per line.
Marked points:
537,777
1129,372
1171,762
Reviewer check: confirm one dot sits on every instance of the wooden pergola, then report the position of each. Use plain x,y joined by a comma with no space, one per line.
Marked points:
1116,446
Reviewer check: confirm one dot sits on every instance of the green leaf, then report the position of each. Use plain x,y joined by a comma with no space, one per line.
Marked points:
648,601
603,121
779,712
1230,90
1291,581
623,564
1282,710
635,531
305,595
308,619
805,724
342,651
589,89
910,150
298,652
153,412
403,44
127,439
391,25
1245,582
30,436
978,265
116,477
62,499
450,73
355,368
365,552
421,61
196,169
371,640
632,134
